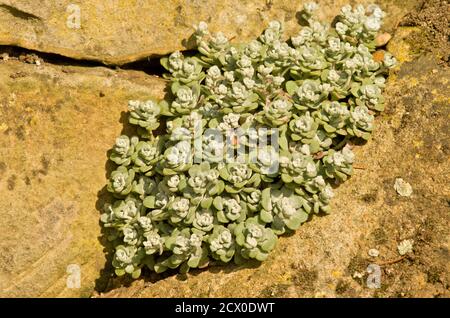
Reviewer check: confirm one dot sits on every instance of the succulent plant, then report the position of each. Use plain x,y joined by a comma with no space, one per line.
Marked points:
333,117
369,95
127,259
176,158
146,155
339,164
123,150
121,180
247,142
238,176
144,114
229,209
309,94
303,128
184,70
180,211
153,243
122,212
297,167
361,122
144,186
254,239
275,113
283,209
186,98
188,251
222,243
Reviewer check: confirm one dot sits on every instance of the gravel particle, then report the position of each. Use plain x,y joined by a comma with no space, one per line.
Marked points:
373,252
402,187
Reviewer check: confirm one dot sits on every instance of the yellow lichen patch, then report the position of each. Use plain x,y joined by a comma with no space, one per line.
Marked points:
336,274
418,143
399,45
3,127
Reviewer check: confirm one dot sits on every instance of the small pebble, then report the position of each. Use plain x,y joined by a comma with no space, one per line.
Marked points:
357,275
402,187
382,39
373,252
378,56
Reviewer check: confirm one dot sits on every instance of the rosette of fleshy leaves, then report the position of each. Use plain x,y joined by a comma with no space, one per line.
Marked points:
283,209
360,122
339,164
121,181
176,158
239,99
202,185
320,201
252,199
369,95
186,99
146,155
333,117
204,220
181,212
238,176
340,82
272,34
211,46
275,113
187,127
185,70
254,240
264,160
222,243
173,183
297,167
144,114
128,260
122,212
158,203
359,24
309,94
153,243
187,251
123,150
303,128
280,56
229,208
309,61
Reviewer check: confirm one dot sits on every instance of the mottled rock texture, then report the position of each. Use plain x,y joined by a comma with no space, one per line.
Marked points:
123,31
55,130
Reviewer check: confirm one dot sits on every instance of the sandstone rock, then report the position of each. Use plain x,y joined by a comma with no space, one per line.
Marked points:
55,130
119,31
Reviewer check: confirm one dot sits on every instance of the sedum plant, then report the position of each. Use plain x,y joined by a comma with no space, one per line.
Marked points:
201,181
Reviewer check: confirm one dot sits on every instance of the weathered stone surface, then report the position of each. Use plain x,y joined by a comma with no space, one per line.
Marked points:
55,130
122,31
